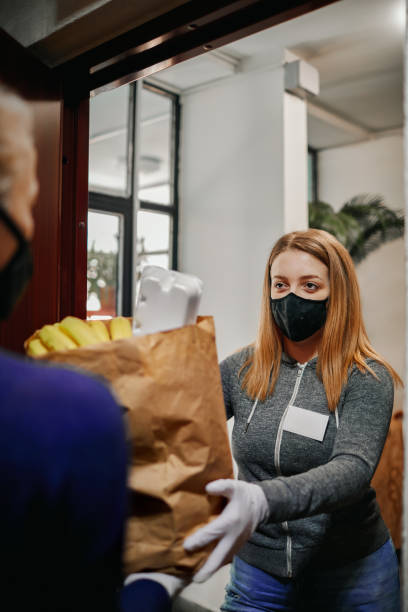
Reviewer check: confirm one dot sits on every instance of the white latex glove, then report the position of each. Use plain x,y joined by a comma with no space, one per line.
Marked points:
172,584
246,508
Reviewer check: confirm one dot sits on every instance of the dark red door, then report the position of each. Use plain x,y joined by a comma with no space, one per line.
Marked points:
58,286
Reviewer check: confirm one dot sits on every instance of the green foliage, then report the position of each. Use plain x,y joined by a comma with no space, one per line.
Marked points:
362,225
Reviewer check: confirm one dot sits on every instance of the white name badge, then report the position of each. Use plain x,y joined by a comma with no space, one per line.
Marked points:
305,423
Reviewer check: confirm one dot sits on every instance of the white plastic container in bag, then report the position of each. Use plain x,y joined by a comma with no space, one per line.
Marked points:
165,299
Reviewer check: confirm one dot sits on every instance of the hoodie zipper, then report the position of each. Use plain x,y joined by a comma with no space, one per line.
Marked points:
285,526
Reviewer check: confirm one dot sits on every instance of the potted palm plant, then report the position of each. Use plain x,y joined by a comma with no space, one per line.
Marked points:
362,224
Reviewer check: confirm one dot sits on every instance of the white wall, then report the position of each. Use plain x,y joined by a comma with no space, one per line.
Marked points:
374,167
243,184
382,282
231,196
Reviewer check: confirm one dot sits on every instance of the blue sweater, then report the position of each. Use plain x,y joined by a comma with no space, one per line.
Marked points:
62,481
63,493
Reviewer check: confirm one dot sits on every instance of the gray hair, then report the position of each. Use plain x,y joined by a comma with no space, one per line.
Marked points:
16,132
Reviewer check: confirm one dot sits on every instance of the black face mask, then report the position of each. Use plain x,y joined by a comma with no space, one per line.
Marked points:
298,318
17,272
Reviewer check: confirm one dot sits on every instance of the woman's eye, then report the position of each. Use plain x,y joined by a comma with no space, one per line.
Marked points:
311,286
278,285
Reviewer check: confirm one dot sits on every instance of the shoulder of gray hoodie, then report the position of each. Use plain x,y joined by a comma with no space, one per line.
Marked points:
364,416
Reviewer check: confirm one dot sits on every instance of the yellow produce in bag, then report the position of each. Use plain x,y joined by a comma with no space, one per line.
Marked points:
170,384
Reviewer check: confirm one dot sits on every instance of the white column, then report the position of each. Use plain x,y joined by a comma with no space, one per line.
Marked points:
243,184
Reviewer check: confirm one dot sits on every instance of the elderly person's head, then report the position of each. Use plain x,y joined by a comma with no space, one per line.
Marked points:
18,191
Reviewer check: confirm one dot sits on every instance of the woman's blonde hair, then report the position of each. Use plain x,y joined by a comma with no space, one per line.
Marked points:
344,340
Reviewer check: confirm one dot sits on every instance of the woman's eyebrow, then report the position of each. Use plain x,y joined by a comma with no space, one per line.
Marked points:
306,276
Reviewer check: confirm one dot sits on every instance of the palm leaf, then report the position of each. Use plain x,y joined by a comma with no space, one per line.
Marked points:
322,216
378,224
362,225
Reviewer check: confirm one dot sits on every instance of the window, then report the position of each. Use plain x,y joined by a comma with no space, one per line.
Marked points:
157,217
133,154
104,262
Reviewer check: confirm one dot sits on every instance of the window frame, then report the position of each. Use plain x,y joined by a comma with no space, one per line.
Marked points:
315,176
102,203
128,205
171,209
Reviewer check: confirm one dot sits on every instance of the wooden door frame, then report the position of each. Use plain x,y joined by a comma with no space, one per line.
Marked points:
26,75
182,33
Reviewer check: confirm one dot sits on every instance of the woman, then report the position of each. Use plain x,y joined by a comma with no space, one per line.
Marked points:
312,403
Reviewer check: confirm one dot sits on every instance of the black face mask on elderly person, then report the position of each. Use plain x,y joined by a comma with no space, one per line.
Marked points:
298,318
16,274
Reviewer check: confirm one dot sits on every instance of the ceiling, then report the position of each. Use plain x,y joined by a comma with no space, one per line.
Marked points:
58,30
356,45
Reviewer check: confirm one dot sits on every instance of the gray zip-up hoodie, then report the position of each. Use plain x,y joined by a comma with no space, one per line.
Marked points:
322,508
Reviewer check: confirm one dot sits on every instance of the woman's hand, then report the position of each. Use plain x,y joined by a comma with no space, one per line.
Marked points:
246,508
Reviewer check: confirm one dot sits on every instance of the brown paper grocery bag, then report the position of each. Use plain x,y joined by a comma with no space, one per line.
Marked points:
170,383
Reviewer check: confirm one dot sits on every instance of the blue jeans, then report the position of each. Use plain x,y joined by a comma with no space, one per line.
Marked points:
370,584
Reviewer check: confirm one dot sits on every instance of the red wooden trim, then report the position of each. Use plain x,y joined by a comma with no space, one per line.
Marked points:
35,80
31,79
81,198
185,32
74,209
186,17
